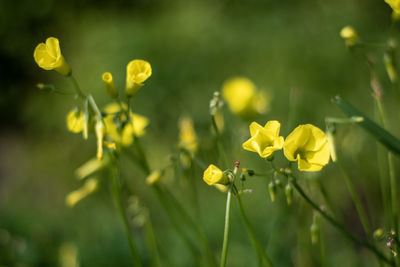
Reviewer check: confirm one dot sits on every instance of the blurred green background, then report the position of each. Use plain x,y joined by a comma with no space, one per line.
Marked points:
193,47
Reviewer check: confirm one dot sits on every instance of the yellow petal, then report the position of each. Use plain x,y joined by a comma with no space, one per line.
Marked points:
254,127
75,196
213,175
75,121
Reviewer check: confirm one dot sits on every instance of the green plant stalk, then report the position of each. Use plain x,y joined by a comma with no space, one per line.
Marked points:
226,227
356,201
336,224
77,88
118,202
151,239
321,247
259,249
219,142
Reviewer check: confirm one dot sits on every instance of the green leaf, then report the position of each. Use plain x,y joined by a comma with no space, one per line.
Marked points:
384,137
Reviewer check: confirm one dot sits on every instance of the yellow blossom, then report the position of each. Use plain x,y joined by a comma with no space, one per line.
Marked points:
109,84
154,177
100,130
137,72
213,175
123,134
89,168
243,98
394,4
48,56
187,135
75,121
308,145
75,196
264,140
350,35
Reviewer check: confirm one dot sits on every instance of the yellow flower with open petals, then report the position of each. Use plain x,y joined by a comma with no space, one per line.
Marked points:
264,140
308,145
124,133
243,98
75,121
137,72
213,175
394,4
48,56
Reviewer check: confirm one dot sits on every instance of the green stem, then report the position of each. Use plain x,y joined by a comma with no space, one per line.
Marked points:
226,228
118,202
356,201
338,226
77,88
151,238
219,142
259,249
142,155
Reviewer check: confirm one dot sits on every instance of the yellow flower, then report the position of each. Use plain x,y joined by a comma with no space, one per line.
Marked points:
75,121
243,98
109,84
394,4
154,177
213,175
349,35
89,168
187,135
308,145
75,196
264,140
137,71
48,56
123,134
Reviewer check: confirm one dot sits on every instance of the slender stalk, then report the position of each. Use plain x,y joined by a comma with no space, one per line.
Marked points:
226,228
338,226
258,247
77,88
356,201
142,155
151,239
118,202
219,142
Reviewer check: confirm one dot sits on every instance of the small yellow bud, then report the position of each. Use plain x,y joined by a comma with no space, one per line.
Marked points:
137,72
213,175
331,142
75,196
89,168
221,187
48,56
349,35
187,135
109,84
154,177
100,130
272,191
378,233
289,194
75,121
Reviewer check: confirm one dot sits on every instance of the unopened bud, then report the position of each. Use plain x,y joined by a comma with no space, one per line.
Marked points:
349,35
378,233
272,190
289,193
314,231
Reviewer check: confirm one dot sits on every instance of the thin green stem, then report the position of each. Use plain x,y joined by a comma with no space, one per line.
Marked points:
226,228
356,201
118,202
151,239
339,226
219,142
142,155
258,247
77,88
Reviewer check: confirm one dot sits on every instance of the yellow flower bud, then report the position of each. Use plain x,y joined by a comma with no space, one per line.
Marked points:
308,145
109,84
100,130
187,135
243,98
75,196
394,4
222,188
349,35
75,121
48,56
264,140
154,177
89,168
213,175
137,72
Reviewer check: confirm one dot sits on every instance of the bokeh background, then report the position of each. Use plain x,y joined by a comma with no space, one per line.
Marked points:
193,47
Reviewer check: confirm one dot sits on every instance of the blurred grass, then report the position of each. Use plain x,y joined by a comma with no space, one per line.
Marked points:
193,47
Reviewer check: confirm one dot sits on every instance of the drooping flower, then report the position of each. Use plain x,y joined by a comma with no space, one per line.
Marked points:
243,98
394,4
350,35
213,175
308,145
75,121
48,56
137,72
264,140
121,129
75,196
109,84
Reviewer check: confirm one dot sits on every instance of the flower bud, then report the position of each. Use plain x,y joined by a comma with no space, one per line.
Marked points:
100,131
213,175
48,56
314,231
272,190
74,121
349,35
378,233
389,66
154,177
289,193
109,85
